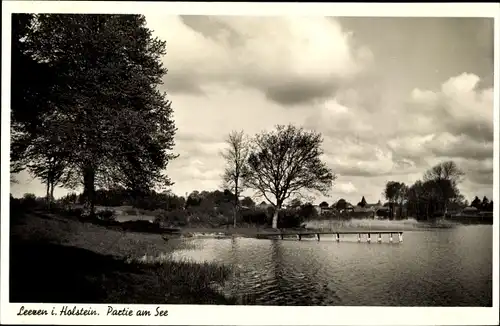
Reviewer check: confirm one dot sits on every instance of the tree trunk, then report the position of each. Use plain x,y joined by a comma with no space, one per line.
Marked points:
89,189
275,218
235,216
48,194
236,204
52,185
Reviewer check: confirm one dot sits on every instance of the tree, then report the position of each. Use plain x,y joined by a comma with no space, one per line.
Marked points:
324,204
401,197
194,199
308,211
248,202
445,177
113,125
341,204
285,162
476,203
295,203
490,207
485,203
362,203
236,158
391,193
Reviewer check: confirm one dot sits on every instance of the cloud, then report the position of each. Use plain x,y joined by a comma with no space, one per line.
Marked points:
346,188
292,60
459,108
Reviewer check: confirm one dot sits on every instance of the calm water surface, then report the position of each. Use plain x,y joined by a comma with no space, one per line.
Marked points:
446,267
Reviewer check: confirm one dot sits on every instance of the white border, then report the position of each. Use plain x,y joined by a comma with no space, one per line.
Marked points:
250,315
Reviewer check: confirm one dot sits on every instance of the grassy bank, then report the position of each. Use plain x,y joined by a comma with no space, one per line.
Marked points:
53,259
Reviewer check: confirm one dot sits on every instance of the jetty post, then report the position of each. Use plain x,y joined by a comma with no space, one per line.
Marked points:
390,238
359,237
317,236
379,238
337,237
369,238
400,237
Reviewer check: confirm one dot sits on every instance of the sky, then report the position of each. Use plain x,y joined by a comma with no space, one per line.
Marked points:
391,96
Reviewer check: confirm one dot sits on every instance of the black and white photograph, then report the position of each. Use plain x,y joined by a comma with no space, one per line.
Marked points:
160,158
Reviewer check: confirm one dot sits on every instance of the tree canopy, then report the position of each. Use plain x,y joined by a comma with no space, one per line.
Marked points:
98,109
285,162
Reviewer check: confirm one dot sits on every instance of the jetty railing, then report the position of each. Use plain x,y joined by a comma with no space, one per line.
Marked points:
318,234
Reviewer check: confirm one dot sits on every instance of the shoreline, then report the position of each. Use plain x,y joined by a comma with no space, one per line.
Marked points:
77,262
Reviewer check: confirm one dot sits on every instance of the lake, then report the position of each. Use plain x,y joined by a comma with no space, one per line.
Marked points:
441,267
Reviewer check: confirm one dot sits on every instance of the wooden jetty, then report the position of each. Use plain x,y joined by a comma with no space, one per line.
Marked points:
317,234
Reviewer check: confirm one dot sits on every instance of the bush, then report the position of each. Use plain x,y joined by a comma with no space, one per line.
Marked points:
289,218
178,217
106,215
255,216
73,212
29,201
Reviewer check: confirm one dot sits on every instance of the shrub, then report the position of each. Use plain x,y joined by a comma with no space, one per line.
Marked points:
106,215
255,216
29,201
289,218
176,217
74,212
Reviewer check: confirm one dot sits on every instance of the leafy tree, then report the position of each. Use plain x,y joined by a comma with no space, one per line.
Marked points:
476,203
391,193
485,203
445,177
324,204
194,199
362,203
248,202
341,204
307,211
33,86
236,158
490,207
285,162
110,123
438,192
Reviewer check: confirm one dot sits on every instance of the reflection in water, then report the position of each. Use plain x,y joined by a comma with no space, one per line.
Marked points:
451,267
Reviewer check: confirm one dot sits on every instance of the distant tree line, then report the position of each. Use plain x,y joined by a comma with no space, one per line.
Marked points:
436,195
483,205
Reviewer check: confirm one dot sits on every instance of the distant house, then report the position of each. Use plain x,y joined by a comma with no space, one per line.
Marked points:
323,210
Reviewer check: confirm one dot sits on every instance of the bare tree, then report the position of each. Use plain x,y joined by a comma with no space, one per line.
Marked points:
236,156
285,162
